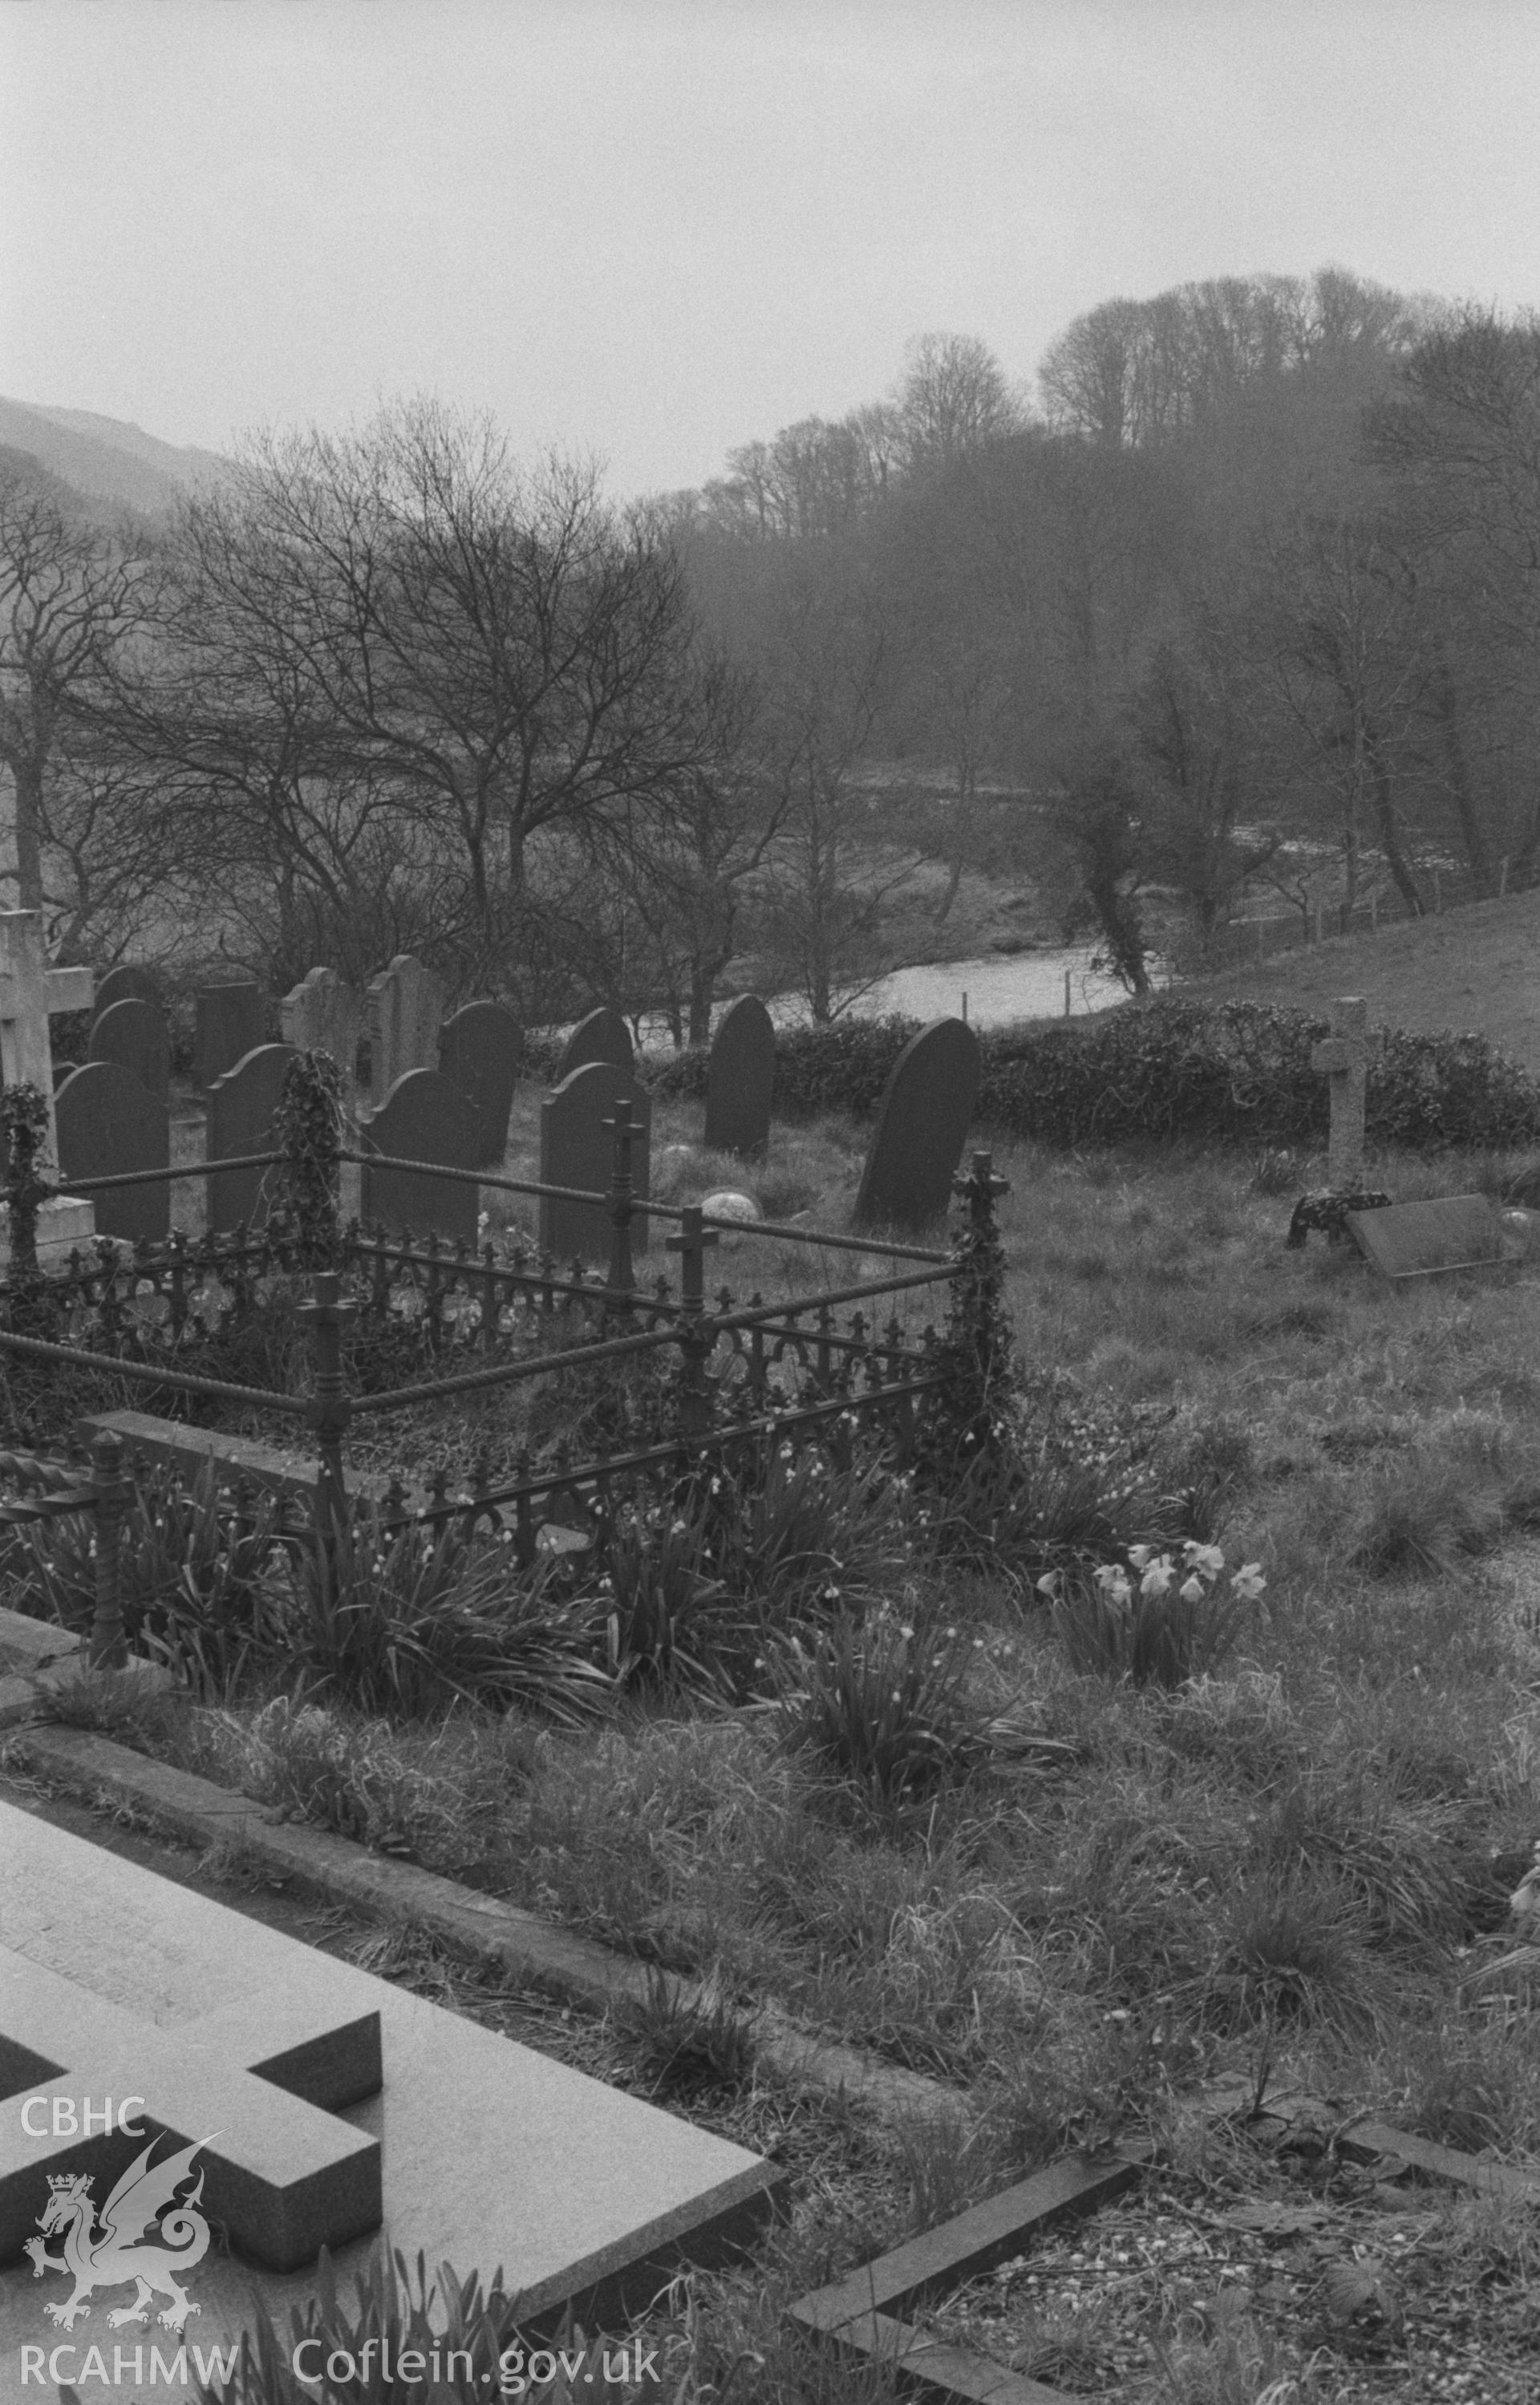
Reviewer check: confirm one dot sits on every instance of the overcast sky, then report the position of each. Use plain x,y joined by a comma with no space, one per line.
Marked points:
653,229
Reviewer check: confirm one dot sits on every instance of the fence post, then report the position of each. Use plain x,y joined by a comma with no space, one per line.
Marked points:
696,1333
621,1290
330,1407
108,1646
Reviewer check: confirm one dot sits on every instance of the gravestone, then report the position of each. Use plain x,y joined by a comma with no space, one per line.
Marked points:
1406,1240
424,1118
110,1124
32,994
403,1010
922,1125
603,1036
577,1149
125,983
323,1013
1344,1058
229,1025
354,2109
729,1202
243,1112
740,1079
134,1035
479,1053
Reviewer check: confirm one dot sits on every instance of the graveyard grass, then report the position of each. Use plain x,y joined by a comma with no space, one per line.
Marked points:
1091,1896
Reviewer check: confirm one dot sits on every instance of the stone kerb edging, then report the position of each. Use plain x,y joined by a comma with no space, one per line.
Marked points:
555,1961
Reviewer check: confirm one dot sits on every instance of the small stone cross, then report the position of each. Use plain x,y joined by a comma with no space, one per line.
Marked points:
1344,1058
31,994
257,2086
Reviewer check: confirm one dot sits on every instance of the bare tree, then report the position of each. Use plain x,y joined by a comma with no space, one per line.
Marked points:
69,593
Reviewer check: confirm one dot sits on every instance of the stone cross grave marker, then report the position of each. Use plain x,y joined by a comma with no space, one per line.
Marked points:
479,1052
128,982
462,2145
32,994
424,1118
135,1034
109,1124
922,1126
1408,1240
603,1036
229,1025
323,1013
256,2087
404,1008
577,1149
242,1110
740,1079
1344,1058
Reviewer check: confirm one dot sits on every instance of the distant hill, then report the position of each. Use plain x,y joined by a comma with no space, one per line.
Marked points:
107,460
1472,969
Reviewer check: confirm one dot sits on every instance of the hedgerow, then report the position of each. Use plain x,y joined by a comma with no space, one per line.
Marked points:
1225,1073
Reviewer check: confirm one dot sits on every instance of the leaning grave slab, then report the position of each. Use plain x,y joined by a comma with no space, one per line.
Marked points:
404,2126
1408,1240
922,1126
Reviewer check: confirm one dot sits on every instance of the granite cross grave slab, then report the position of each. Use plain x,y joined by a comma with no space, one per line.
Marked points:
578,1149
109,1124
424,1118
318,2098
1405,1240
603,1036
404,1008
228,1026
133,1034
243,1111
479,1053
740,1079
922,1125
1344,1058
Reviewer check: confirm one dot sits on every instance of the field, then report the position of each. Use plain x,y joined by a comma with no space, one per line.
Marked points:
1074,1898
1471,969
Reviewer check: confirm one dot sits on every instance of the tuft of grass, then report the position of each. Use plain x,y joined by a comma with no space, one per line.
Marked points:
1289,1952
680,2044
884,1703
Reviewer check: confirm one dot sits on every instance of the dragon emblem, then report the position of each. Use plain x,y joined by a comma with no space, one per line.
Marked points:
146,2194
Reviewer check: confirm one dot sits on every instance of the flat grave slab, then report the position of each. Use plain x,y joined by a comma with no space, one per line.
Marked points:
1457,1231
487,2154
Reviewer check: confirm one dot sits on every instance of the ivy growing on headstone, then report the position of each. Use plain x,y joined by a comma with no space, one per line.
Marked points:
308,1128
23,1127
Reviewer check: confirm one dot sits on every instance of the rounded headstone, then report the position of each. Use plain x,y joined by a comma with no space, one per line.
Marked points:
479,1052
229,1025
729,1204
603,1036
243,1115
322,1014
578,1149
922,1125
110,1124
128,982
133,1034
740,1079
404,1008
424,1118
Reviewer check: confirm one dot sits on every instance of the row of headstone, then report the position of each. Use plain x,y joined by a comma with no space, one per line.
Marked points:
477,1050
